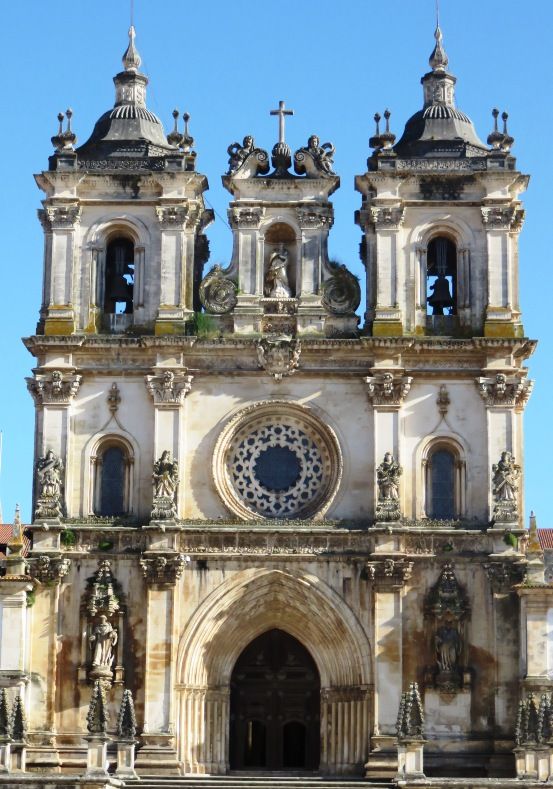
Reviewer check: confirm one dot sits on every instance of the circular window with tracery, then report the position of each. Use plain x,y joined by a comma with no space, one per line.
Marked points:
276,459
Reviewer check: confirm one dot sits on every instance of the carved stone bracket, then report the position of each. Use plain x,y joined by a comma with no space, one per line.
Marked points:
169,387
54,388
245,218
504,390
389,572
503,576
60,217
163,569
510,217
387,389
278,355
49,569
387,217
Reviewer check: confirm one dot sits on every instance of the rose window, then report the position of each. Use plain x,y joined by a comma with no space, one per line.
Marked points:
276,460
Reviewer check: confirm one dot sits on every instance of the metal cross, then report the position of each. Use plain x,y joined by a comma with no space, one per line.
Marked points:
281,112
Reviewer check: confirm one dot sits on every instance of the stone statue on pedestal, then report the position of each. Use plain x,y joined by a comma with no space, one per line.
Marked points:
277,285
387,479
49,471
103,640
165,481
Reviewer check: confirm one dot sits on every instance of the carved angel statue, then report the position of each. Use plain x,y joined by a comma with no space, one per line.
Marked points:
276,278
49,473
505,477
448,647
165,476
387,478
315,158
239,153
102,641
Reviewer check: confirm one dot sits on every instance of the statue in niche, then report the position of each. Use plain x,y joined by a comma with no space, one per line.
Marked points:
239,153
505,476
387,477
448,647
103,641
165,476
49,471
277,285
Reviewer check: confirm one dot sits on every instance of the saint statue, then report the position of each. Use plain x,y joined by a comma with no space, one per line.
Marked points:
239,153
165,477
448,647
102,641
49,472
276,278
505,476
387,478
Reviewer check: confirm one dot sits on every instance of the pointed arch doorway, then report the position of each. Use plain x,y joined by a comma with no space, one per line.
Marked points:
275,706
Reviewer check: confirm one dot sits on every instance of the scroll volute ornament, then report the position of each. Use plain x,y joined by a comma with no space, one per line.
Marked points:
341,294
218,293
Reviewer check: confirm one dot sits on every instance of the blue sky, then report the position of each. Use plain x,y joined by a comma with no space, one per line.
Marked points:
227,64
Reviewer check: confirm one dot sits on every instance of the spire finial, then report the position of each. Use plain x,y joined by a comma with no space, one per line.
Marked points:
438,59
131,58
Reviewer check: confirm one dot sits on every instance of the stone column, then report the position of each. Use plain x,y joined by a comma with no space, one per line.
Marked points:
162,570
385,222
388,578
387,388
168,388
502,224
59,223
179,225
247,265
53,392
48,570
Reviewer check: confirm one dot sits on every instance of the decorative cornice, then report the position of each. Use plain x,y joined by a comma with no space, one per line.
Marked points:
245,218
60,217
503,576
389,573
54,388
387,217
388,389
502,217
504,390
169,387
49,569
163,569
314,218
178,216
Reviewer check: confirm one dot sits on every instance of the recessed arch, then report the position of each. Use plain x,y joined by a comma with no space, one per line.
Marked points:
433,449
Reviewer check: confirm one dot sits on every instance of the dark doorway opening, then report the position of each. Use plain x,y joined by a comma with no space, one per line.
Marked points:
275,706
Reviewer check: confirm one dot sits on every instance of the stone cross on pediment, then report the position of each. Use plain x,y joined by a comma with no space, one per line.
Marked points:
281,112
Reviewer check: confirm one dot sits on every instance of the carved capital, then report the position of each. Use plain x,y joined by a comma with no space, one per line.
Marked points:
179,216
60,217
278,355
389,573
163,569
245,218
315,218
502,217
388,389
503,576
49,569
53,388
504,390
387,217
169,387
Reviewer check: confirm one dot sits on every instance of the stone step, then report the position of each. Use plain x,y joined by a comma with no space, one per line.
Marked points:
267,781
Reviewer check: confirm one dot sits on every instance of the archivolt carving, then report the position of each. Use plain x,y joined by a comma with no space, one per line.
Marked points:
275,459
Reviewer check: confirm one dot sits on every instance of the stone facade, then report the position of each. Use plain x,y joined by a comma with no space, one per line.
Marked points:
223,455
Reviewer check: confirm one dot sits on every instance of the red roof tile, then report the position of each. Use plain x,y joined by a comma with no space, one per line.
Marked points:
545,537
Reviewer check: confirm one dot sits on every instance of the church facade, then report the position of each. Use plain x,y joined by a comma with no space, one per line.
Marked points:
262,519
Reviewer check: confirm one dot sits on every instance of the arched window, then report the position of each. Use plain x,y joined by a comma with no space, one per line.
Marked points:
112,479
441,277
442,485
119,277
444,482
